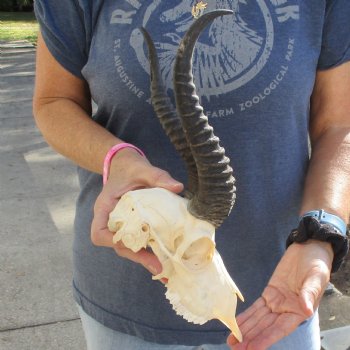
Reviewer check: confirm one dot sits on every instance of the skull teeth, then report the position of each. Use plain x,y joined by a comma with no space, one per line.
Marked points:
182,310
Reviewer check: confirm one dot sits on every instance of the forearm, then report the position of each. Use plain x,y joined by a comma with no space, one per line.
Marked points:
327,183
62,111
69,129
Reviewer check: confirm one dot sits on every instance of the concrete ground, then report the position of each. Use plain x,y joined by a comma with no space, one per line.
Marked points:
37,195
38,189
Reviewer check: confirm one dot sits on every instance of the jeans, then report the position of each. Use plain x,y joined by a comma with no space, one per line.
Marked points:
99,337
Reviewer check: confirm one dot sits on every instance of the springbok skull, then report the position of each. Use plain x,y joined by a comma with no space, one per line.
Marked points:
198,284
181,231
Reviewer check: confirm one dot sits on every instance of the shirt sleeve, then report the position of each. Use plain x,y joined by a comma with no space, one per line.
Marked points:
66,30
335,48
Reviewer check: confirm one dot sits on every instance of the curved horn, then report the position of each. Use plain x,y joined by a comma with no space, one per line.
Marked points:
168,117
216,191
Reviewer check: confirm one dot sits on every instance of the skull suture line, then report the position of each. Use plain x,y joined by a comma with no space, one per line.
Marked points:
181,231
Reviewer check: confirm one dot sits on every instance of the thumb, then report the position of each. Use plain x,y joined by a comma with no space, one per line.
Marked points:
311,293
163,179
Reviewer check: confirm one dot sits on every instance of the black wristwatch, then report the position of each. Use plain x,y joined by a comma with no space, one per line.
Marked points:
326,227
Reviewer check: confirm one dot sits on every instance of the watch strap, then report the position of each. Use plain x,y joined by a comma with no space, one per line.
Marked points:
326,218
311,228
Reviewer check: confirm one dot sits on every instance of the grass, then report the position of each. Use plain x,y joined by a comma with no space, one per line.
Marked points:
18,26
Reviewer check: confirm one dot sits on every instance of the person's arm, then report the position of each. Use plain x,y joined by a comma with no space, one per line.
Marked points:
62,109
299,280
328,181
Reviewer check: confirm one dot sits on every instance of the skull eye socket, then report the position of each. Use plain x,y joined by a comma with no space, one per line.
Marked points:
199,254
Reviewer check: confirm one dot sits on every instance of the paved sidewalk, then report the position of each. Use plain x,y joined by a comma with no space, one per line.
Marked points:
38,189
37,194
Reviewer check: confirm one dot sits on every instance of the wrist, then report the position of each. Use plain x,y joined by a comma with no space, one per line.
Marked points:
325,246
118,156
311,228
125,161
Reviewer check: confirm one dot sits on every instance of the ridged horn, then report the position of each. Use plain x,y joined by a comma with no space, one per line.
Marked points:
216,191
169,118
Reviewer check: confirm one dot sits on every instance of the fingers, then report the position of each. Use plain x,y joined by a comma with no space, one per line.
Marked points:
271,328
261,327
147,259
252,321
248,319
283,325
130,171
293,293
100,235
258,304
255,322
312,291
161,178
125,176
107,200
143,257
307,302
264,323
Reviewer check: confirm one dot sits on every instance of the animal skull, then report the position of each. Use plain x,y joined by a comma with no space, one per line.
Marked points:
198,284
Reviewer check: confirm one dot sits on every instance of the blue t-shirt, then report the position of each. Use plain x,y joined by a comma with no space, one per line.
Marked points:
255,72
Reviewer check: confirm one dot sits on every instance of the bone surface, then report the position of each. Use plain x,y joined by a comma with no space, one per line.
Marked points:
198,284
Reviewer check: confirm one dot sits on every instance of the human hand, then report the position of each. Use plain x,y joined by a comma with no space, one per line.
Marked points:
129,171
291,296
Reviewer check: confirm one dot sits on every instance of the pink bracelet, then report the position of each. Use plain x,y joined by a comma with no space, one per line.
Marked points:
111,153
